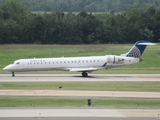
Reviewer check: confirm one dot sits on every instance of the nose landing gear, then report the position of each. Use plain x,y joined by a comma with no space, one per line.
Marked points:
13,74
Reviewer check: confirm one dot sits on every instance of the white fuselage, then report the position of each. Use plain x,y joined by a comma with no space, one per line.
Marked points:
79,64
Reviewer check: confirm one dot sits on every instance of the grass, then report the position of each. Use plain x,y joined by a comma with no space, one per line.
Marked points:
111,86
151,64
49,102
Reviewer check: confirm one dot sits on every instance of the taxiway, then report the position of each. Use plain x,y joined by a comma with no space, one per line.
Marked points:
79,112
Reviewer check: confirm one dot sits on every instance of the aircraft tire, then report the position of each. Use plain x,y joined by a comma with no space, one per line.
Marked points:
13,75
84,74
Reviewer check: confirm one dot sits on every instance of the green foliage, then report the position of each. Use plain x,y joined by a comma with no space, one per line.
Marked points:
88,5
19,25
15,10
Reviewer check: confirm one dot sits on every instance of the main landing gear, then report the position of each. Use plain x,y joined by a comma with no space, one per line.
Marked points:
13,74
84,74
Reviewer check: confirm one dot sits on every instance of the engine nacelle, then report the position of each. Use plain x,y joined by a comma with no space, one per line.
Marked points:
114,59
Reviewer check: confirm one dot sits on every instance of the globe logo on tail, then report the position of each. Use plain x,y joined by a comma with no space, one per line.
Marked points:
135,52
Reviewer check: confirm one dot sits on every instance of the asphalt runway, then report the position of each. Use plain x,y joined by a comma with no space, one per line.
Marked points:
81,112
80,118
76,77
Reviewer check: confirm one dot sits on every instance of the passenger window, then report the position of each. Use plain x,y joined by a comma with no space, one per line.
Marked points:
18,63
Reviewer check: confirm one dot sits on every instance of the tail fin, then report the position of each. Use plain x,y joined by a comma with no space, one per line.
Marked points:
137,50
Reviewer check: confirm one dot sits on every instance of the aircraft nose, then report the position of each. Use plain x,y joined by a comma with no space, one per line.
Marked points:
7,68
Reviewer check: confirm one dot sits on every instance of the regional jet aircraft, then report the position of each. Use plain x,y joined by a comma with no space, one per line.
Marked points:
80,64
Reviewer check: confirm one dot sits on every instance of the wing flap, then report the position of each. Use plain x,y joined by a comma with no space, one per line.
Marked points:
83,69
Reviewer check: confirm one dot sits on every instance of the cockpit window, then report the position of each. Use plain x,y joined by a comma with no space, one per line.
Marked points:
16,63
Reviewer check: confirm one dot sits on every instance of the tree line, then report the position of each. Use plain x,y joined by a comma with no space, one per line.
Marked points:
19,25
87,5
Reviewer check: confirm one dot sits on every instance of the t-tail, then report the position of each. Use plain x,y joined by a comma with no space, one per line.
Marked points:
137,50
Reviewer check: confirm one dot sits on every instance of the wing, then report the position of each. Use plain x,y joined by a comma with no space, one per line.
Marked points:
83,69
88,69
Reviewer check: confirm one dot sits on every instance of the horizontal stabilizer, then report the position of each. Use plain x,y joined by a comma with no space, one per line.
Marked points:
146,44
83,69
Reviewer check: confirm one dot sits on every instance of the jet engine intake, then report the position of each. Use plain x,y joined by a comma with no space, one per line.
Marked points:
114,59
